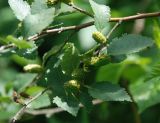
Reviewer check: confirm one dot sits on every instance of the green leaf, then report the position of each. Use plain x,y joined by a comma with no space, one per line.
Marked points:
146,94
38,6
40,102
68,104
21,47
108,92
39,19
36,23
21,44
128,44
5,99
101,15
70,59
110,72
5,115
63,9
29,53
86,100
10,110
33,90
23,80
52,52
54,77
20,8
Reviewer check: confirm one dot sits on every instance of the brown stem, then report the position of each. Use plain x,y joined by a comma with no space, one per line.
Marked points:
52,111
22,110
78,27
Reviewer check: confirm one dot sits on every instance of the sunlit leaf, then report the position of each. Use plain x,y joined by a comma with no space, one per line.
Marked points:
108,92
128,44
40,102
68,105
39,19
101,15
20,8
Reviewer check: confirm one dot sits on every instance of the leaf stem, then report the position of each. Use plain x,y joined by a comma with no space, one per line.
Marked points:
115,26
80,10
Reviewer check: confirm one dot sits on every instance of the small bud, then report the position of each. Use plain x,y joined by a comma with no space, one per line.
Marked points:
72,87
33,68
73,84
17,99
100,60
25,95
94,60
99,37
52,2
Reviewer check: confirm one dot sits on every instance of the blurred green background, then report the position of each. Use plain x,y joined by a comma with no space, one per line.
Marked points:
133,70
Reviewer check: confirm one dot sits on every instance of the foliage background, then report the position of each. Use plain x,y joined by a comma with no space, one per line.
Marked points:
133,71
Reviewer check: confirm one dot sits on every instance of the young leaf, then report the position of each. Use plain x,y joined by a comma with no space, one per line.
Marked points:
40,102
39,19
70,59
67,104
108,92
23,80
20,8
38,5
128,44
21,44
36,23
101,15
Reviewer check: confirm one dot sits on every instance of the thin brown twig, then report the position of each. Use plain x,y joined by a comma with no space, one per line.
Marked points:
22,110
78,27
2,48
52,111
80,10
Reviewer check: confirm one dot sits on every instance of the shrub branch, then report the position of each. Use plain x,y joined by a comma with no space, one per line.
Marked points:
22,110
78,27
51,111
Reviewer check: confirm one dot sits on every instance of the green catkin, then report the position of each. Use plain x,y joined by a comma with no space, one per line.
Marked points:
99,37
